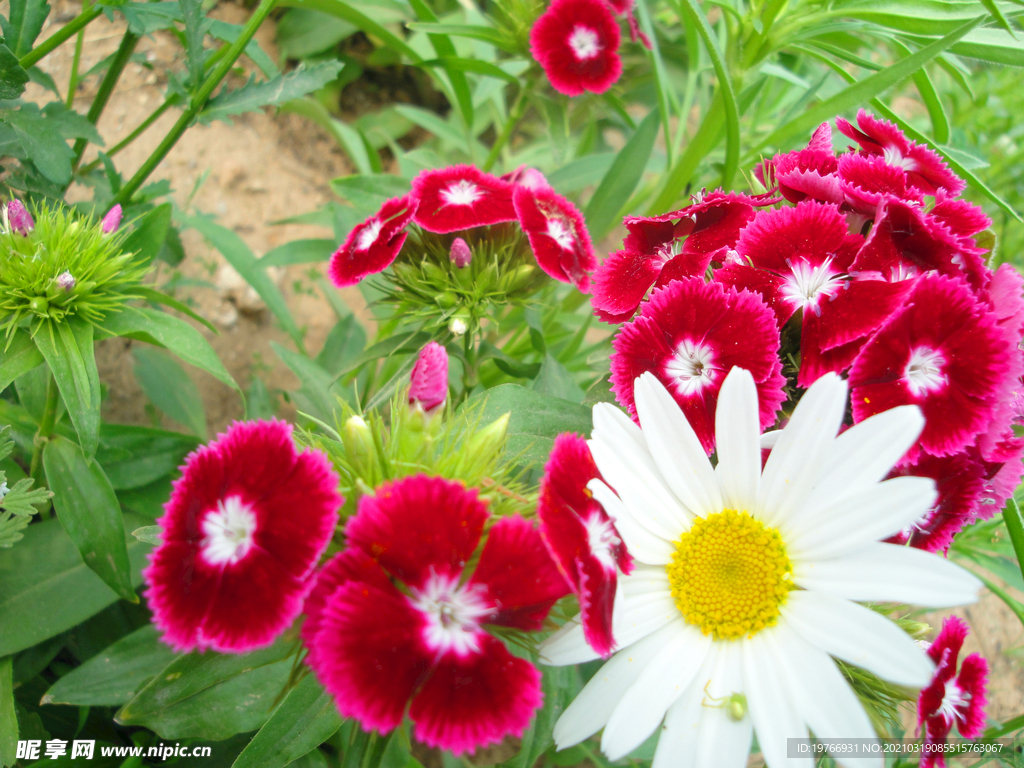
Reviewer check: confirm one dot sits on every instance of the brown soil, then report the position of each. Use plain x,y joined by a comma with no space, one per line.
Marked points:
264,168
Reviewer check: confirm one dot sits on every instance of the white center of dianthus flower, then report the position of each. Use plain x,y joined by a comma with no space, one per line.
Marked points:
462,192
584,42
691,367
602,539
453,614
806,284
924,371
228,531
902,272
369,235
560,233
953,698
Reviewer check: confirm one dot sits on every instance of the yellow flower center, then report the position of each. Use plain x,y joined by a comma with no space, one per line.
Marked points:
730,575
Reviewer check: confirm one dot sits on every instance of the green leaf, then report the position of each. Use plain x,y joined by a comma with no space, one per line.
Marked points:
150,534
170,389
172,333
489,35
299,252
343,10
70,124
622,177
12,75
149,233
156,297
46,587
993,8
316,383
445,48
913,17
1015,527
195,31
347,137
433,123
304,720
553,379
229,33
68,349
41,140
238,255
87,507
112,677
476,66
560,686
254,95
20,357
302,33
133,456
145,18
536,419
8,717
211,695
400,343
344,343
24,25
379,185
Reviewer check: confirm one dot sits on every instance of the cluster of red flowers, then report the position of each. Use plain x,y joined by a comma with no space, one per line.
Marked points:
461,198
873,271
576,42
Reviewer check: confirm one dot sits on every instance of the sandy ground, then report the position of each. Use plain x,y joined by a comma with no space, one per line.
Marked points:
267,167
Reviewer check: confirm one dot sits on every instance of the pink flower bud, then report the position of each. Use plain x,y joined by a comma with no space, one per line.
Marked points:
460,253
428,384
21,220
112,220
66,281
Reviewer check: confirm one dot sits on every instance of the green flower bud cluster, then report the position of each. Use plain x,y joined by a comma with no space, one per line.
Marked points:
63,267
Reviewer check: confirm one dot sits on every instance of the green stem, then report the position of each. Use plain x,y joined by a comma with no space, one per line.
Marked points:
106,89
518,109
173,99
65,33
73,79
45,432
198,102
1015,527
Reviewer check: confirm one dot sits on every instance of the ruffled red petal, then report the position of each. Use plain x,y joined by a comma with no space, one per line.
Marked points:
621,282
973,679
867,180
476,700
708,328
557,234
577,43
419,527
960,216
811,231
518,575
372,246
460,197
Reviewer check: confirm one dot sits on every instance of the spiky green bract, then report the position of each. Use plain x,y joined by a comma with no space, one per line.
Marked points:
456,446
34,271
17,505
425,284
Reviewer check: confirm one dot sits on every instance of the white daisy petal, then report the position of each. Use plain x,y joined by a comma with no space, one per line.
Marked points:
566,646
661,683
674,446
823,698
864,454
858,635
677,745
770,439
640,542
590,711
875,513
737,434
891,573
794,466
775,719
723,742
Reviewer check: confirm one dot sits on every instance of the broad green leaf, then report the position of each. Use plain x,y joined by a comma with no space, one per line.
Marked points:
151,534
172,333
24,25
347,137
41,140
31,388
254,95
238,255
70,124
87,507
19,358
149,233
360,20
622,177
170,389
8,717
299,252
46,587
211,695
582,172
115,675
536,420
554,380
344,343
914,17
302,33
133,456
147,500
305,719
12,75
68,349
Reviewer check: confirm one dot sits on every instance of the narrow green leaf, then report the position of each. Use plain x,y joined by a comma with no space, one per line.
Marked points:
343,10
913,17
305,719
68,349
170,389
316,383
8,717
444,47
254,95
488,35
725,89
666,93
25,24
993,8
229,33
156,297
172,333
347,137
149,233
381,186
476,66
931,98
622,177
1011,602
1015,527
12,75
150,534
20,357
400,343
432,122
299,252
344,343
87,508
112,677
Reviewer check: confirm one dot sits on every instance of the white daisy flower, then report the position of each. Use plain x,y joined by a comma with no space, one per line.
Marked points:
745,582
